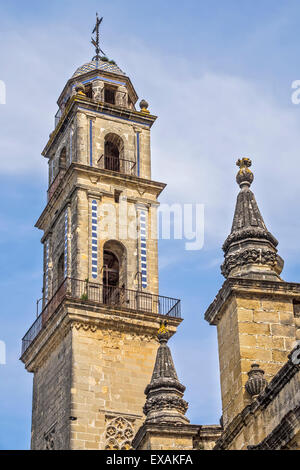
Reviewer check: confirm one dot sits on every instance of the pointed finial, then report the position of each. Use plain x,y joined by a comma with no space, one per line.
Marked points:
245,177
95,41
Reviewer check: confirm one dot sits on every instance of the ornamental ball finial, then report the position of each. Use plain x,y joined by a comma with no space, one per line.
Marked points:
244,177
144,107
80,89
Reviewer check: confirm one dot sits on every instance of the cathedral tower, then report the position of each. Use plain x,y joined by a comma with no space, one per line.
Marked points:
93,347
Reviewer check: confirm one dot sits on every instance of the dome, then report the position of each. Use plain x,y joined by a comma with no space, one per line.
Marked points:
105,66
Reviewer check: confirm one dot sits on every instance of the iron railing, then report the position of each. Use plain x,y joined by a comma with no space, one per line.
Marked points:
112,296
120,165
55,183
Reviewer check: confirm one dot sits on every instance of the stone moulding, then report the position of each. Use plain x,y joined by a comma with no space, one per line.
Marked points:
165,402
282,378
90,317
248,286
252,233
169,430
280,437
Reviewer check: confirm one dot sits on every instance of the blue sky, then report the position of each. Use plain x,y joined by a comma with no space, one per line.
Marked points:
218,74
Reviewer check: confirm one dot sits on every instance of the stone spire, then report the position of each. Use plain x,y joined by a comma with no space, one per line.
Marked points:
250,249
164,403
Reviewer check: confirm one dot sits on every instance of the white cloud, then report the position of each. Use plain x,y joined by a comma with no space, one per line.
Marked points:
206,121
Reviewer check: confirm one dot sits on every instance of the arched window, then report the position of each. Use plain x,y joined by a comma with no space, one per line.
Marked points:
60,270
63,159
113,152
114,271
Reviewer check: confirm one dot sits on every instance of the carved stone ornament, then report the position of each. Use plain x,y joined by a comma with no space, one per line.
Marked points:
251,256
119,434
49,439
256,382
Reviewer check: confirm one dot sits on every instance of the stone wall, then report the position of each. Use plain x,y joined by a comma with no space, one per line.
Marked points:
52,399
111,369
268,421
256,324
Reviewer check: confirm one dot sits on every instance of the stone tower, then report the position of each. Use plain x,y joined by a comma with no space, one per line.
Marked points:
93,347
255,310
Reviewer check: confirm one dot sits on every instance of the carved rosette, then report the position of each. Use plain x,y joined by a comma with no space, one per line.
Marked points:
256,382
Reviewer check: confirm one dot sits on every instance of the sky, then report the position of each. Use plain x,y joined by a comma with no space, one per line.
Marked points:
218,75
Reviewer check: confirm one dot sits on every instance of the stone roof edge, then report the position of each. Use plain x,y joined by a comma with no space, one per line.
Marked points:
248,286
282,433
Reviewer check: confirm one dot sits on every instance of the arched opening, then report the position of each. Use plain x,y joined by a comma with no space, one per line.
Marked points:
111,269
62,159
113,152
114,272
60,269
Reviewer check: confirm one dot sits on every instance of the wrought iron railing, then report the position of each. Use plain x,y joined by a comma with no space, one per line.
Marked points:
55,183
112,296
120,165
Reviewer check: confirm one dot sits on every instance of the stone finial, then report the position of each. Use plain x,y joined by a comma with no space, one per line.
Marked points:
244,176
250,249
256,382
164,403
163,334
144,107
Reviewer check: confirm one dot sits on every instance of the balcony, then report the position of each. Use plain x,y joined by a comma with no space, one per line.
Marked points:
119,165
55,183
112,296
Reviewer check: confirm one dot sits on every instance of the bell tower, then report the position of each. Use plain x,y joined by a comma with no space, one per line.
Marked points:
93,347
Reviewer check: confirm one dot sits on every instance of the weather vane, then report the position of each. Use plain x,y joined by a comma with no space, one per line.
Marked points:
95,41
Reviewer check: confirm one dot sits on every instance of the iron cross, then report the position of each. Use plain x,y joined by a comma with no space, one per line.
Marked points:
95,41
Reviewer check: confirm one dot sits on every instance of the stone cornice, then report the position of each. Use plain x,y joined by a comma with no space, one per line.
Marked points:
280,437
91,74
282,378
97,107
136,182
90,316
206,431
182,430
233,286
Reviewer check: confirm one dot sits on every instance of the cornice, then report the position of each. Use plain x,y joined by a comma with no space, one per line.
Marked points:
234,286
91,73
115,178
280,437
91,316
182,430
79,103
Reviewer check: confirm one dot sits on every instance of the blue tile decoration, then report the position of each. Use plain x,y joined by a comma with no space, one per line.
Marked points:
97,65
94,226
66,245
138,152
143,247
91,142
